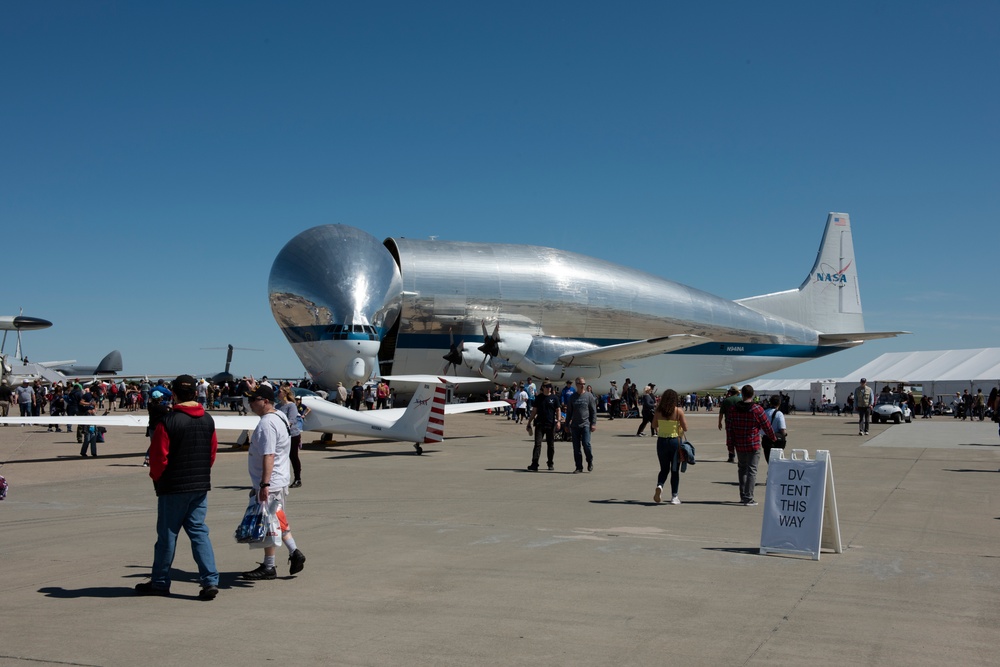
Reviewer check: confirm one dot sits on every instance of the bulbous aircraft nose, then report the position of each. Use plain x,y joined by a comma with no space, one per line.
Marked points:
334,292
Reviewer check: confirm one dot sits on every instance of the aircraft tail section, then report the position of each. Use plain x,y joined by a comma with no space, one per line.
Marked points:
829,299
110,364
423,420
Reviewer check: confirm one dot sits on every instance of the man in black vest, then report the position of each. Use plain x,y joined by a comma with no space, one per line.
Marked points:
181,455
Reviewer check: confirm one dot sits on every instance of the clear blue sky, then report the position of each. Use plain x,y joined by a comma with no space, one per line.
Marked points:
156,156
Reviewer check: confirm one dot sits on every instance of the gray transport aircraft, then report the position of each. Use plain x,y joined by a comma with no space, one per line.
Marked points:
353,308
61,371
19,368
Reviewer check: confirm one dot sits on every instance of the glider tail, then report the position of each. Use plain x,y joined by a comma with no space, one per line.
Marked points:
829,300
423,420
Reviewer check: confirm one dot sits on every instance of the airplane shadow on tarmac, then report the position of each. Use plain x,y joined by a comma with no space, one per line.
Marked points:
367,453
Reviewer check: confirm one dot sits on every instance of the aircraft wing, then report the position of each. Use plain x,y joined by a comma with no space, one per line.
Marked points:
435,379
840,338
457,408
137,420
55,364
390,415
235,422
633,350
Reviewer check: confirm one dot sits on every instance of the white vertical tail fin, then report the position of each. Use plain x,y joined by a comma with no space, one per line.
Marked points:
423,420
829,300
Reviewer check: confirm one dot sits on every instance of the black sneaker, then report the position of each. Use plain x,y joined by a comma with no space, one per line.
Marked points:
533,467
147,588
551,467
578,470
261,573
590,467
298,561
208,592
296,484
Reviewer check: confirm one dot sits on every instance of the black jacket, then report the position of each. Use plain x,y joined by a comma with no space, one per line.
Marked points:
182,451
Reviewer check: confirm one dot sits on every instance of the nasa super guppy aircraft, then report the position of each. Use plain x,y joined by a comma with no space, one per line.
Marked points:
353,307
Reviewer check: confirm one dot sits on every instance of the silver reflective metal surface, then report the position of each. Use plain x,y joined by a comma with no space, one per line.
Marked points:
335,288
344,301
452,286
334,275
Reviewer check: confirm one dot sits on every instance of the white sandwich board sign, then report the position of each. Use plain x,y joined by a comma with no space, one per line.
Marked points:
800,506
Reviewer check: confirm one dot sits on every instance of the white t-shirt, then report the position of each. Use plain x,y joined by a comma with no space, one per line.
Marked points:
271,437
521,399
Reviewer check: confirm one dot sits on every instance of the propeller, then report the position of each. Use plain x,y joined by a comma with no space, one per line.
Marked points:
491,345
454,356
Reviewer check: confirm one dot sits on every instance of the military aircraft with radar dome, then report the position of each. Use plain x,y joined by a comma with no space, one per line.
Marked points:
19,368
353,307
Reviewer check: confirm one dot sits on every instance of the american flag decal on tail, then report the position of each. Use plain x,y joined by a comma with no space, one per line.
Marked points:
435,423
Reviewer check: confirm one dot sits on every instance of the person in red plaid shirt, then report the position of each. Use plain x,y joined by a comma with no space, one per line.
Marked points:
744,422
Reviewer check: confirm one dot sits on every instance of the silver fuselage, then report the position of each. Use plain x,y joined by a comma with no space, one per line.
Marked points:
421,297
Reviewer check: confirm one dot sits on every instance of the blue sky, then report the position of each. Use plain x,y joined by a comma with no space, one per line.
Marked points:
155,157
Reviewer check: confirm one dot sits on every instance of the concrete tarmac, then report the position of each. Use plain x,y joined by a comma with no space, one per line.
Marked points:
462,557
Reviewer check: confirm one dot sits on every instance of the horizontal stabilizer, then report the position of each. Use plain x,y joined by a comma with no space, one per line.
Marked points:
634,350
841,338
458,408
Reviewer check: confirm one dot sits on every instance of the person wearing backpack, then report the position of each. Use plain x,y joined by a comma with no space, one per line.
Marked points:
381,394
57,407
777,420
112,396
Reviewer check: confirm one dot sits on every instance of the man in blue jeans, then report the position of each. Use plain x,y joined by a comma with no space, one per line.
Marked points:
582,416
181,454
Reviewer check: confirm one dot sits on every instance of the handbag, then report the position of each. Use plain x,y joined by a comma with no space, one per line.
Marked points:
254,526
260,526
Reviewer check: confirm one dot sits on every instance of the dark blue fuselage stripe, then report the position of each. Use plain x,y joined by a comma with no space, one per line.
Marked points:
443,343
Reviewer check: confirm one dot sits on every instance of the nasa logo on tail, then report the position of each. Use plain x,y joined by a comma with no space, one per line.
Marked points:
827,275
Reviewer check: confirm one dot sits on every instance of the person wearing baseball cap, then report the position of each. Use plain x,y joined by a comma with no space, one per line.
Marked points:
270,471
181,455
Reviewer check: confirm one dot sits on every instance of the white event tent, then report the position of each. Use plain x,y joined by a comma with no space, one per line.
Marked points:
940,373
